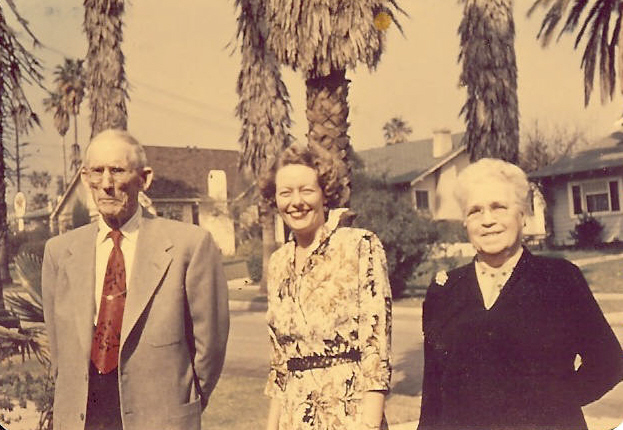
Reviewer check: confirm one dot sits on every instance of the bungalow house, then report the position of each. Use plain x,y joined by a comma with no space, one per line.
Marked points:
427,169
589,181
190,184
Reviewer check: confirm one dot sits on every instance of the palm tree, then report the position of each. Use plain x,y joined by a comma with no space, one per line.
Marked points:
106,80
602,42
17,64
70,79
487,34
54,104
264,109
323,39
396,130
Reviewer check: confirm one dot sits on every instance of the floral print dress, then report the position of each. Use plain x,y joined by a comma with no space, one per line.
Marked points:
339,302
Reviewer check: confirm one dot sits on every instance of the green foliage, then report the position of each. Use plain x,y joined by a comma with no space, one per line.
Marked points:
587,232
31,242
405,234
18,386
251,250
80,215
451,231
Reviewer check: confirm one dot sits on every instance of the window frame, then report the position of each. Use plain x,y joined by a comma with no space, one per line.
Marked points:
415,199
583,195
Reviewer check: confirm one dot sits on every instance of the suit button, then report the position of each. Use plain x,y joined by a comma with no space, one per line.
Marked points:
81,417
86,377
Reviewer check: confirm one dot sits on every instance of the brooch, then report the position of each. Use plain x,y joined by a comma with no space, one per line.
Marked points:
441,278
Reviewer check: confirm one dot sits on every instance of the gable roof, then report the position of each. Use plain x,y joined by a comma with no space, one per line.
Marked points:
406,162
183,172
604,154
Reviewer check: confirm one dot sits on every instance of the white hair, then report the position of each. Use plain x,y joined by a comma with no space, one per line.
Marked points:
140,158
488,169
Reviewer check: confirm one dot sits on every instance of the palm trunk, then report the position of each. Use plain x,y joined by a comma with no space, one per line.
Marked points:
327,115
5,277
267,220
64,164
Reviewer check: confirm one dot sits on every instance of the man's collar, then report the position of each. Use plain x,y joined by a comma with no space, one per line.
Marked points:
129,229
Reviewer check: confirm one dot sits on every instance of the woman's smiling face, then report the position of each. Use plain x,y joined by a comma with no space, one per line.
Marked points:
300,200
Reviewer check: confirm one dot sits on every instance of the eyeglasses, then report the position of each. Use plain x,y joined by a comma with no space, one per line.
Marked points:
96,174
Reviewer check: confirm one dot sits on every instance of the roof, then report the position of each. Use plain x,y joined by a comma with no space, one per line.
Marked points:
604,154
183,172
405,162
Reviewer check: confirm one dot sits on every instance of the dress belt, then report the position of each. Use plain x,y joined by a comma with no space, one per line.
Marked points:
323,361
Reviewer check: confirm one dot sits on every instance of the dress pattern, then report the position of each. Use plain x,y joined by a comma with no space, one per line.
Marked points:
340,302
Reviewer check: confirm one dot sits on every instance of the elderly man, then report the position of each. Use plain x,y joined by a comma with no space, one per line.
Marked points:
135,306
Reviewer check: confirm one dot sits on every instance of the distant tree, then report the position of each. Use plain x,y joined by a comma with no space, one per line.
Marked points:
489,73
396,130
106,81
40,181
17,65
54,103
24,119
70,79
601,28
540,147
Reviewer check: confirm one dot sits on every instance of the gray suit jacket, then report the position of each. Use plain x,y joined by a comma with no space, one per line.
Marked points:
174,332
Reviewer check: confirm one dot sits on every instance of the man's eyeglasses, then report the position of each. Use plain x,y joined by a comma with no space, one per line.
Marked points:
96,174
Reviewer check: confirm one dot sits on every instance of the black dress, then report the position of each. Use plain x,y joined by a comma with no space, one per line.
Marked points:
512,366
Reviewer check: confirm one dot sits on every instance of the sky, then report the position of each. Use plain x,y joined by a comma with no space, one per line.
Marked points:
182,64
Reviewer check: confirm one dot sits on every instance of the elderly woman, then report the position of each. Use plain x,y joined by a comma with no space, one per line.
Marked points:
329,306
501,334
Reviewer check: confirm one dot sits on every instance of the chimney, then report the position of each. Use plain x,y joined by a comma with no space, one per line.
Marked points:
442,142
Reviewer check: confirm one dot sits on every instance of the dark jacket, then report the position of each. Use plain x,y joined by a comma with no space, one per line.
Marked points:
512,366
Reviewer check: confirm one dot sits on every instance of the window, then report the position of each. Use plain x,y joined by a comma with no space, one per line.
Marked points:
598,196
421,200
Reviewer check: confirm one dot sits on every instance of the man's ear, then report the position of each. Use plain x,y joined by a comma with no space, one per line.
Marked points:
147,175
84,177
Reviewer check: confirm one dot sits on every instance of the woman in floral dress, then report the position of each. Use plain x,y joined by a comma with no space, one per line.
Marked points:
329,306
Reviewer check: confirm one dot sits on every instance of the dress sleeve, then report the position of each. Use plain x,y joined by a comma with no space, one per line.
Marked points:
596,343
375,314
278,360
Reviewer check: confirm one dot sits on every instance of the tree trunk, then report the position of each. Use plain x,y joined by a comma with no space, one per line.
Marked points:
5,277
489,72
327,115
64,164
267,220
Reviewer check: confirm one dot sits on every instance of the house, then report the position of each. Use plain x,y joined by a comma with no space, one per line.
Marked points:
190,184
589,181
427,169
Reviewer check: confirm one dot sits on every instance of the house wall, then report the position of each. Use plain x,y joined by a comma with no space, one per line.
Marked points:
220,225
564,220
63,221
445,181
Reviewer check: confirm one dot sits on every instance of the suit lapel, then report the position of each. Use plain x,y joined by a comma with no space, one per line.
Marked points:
151,261
81,281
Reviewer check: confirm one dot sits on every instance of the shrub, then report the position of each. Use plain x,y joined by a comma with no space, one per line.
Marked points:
251,250
451,231
28,241
405,234
587,232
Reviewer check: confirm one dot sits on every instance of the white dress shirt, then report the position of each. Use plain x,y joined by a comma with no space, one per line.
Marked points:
491,280
103,247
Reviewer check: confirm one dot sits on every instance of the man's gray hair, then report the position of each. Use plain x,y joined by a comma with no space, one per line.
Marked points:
140,158
488,169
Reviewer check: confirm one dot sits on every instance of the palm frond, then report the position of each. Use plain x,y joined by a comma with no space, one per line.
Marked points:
24,342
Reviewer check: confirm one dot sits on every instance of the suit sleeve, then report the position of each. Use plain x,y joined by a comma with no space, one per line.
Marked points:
48,284
433,359
375,315
206,292
596,343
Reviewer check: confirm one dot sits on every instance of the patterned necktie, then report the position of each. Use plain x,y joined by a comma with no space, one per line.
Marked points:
107,336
